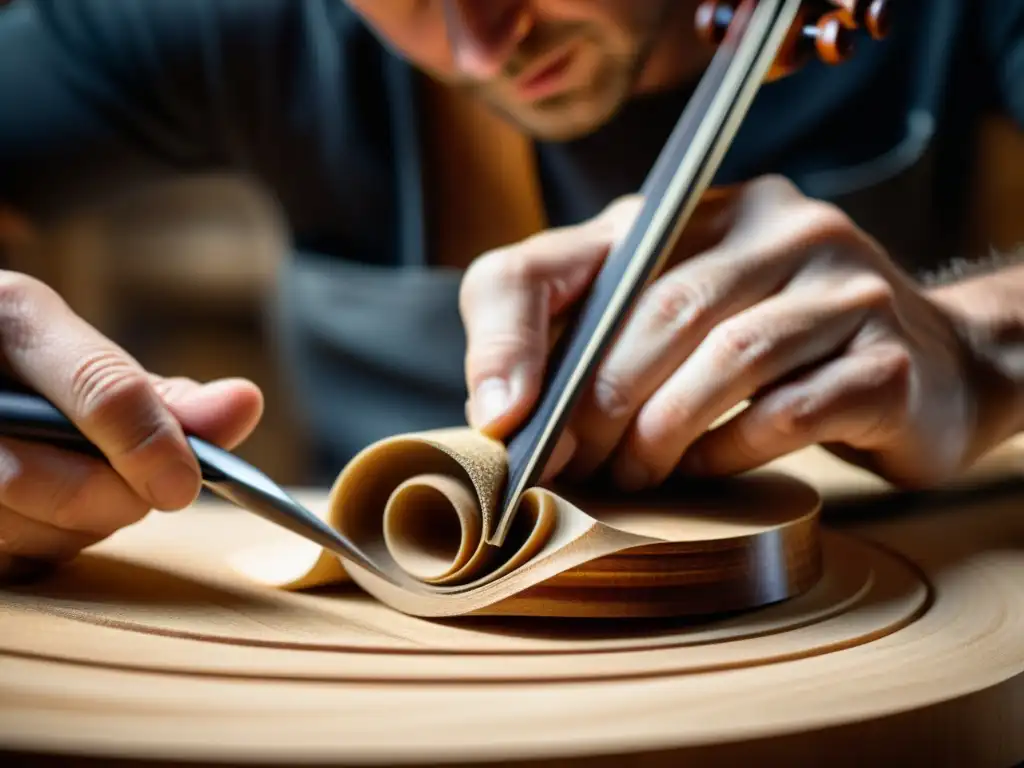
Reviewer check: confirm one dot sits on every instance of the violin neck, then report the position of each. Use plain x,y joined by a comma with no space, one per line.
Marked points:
682,173
693,153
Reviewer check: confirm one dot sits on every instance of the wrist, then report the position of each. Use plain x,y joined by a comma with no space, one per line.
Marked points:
987,312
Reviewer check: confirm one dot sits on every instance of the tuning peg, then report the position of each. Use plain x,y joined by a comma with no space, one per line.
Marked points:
877,19
831,35
713,19
819,33
873,15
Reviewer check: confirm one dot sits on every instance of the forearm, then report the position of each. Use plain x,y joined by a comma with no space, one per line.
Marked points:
989,311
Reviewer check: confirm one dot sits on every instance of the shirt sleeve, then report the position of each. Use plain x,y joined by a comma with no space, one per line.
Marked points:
1004,38
99,94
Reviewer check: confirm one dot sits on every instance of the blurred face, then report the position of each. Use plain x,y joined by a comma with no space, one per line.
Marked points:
557,68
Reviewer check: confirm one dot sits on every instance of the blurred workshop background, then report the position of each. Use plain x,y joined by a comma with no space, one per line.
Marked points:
182,275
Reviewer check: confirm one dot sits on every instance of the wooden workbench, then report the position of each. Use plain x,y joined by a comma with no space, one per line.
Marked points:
909,651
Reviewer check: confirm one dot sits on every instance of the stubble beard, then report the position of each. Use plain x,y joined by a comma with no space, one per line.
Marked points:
581,110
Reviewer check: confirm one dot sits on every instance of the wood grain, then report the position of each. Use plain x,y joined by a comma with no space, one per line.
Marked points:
420,505
343,635
909,650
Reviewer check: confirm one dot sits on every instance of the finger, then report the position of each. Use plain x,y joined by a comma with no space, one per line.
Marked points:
752,239
224,412
740,357
507,301
671,319
856,400
560,457
101,388
23,537
65,490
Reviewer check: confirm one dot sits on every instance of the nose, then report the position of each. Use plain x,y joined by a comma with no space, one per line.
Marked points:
484,33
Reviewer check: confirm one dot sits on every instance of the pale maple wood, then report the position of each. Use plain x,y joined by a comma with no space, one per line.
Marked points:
909,650
193,595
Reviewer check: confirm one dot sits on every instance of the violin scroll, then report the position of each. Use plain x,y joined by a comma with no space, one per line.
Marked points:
826,29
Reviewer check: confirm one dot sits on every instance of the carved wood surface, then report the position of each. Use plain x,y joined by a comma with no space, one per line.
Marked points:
910,648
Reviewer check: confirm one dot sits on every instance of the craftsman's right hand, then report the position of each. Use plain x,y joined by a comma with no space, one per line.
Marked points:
54,503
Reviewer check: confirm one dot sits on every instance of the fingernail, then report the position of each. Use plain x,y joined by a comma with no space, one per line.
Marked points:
496,395
631,475
491,400
173,488
609,400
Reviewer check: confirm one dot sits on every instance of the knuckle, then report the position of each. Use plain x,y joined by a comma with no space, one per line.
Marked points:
613,393
16,288
777,185
473,279
624,205
500,266
887,377
482,266
738,345
872,291
677,304
893,371
796,416
497,267
522,272
20,299
498,355
823,222
110,391
105,381
656,425
619,215
553,261
749,440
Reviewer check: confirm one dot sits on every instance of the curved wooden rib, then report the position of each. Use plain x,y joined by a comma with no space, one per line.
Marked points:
420,504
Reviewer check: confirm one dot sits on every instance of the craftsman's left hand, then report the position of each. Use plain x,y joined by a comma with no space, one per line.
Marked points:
771,298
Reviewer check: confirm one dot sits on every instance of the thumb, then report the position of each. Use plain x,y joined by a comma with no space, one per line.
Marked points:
100,388
508,300
223,412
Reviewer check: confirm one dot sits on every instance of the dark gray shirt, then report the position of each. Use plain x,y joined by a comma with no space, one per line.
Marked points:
99,95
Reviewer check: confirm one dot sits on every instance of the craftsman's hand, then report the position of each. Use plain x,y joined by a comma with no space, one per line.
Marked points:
772,299
53,503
